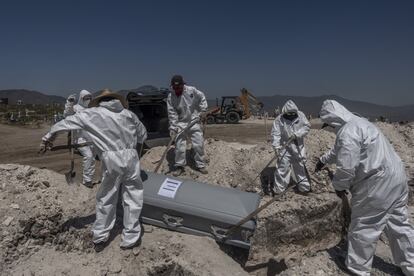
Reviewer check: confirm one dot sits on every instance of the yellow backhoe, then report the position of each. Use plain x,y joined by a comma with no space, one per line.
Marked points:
234,108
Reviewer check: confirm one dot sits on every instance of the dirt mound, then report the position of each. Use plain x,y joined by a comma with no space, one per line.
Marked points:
295,222
301,224
239,165
45,229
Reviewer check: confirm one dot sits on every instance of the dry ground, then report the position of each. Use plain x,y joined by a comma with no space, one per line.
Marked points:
42,195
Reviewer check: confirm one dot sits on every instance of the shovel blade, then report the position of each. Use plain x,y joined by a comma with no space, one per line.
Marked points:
70,177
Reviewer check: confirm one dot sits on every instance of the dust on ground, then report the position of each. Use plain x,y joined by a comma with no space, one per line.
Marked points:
45,224
46,230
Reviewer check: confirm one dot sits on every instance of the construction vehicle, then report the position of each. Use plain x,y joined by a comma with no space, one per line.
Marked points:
234,108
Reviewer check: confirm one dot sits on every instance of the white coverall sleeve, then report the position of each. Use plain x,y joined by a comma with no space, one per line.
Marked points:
276,134
70,123
141,130
347,161
203,102
68,109
329,157
304,130
172,114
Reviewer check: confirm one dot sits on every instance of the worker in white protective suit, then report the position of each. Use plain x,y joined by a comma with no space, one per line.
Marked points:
81,136
291,126
186,106
114,132
368,166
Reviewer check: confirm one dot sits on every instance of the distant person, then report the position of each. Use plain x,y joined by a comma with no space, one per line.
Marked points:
81,136
114,132
368,166
185,105
293,126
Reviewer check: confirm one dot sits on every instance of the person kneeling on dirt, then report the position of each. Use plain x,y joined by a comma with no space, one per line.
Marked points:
186,105
290,127
81,136
368,166
114,132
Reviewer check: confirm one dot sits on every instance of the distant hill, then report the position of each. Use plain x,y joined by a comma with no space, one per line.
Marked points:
312,105
309,105
30,97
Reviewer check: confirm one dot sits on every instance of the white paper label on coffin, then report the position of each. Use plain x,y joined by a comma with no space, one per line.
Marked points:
169,188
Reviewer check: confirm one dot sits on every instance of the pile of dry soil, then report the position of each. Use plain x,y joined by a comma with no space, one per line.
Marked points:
45,230
295,223
45,224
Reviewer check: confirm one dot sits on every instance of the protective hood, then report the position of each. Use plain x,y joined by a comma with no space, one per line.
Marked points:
334,114
82,94
290,106
113,105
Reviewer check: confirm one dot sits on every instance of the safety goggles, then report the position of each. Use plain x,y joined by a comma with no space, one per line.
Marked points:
291,113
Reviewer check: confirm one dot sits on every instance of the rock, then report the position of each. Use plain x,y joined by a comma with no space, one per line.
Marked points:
136,251
115,268
7,221
148,229
29,173
46,183
8,167
28,273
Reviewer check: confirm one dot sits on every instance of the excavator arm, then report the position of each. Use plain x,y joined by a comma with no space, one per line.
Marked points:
250,103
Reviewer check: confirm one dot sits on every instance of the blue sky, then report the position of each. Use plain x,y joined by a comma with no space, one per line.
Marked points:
361,50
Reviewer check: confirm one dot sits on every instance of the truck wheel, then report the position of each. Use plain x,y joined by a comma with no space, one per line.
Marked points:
232,117
210,120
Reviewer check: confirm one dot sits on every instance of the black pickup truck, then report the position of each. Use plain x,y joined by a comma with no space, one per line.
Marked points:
150,105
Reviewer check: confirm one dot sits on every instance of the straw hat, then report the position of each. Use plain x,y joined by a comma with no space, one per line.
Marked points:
106,93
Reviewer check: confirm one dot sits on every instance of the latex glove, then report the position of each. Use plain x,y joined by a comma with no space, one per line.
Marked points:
341,193
276,151
319,166
72,98
173,132
330,174
44,146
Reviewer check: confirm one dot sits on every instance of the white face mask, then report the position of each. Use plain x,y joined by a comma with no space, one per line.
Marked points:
86,102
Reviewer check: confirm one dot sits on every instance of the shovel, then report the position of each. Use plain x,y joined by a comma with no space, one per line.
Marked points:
274,158
70,176
345,202
75,146
170,143
304,165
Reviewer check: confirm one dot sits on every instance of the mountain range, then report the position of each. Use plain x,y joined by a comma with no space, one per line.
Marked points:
30,97
309,105
312,105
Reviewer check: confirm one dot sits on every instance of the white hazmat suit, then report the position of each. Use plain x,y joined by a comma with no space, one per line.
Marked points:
294,155
81,136
370,169
115,132
182,110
